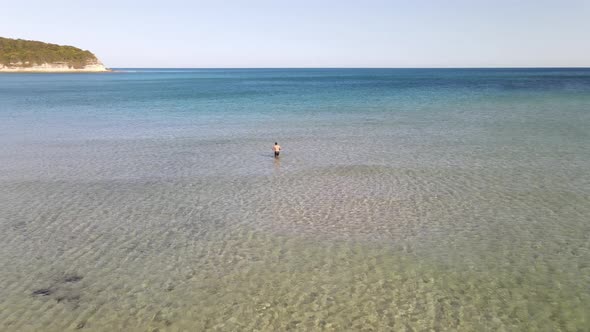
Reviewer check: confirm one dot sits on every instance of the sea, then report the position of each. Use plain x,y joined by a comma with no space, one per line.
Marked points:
403,200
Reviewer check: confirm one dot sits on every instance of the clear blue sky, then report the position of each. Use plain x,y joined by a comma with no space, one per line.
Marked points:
311,33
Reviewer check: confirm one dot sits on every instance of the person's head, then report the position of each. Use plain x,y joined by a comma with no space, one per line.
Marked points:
276,143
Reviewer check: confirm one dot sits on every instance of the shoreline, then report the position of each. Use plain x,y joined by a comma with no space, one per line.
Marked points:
96,67
58,71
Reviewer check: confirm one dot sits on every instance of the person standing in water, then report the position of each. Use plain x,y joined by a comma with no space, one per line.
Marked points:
277,149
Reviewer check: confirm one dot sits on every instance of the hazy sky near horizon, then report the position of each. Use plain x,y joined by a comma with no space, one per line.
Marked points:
308,33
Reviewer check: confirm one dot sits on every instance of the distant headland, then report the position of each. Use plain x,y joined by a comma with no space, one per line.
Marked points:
18,55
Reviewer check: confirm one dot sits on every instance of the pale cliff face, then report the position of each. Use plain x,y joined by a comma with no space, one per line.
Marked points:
53,67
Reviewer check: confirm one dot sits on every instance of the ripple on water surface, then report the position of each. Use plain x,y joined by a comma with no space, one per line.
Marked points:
334,248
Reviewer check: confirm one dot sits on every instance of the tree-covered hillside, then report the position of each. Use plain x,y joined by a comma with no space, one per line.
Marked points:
29,53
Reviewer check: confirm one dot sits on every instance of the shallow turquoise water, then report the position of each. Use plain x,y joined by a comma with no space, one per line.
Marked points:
404,199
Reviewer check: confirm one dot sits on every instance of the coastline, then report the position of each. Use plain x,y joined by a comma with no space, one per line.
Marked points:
55,68
106,71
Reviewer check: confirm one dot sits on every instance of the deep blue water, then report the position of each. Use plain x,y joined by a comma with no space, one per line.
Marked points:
155,101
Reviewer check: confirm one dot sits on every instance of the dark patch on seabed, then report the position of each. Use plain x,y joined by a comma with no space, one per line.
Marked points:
73,298
61,292
72,278
42,292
